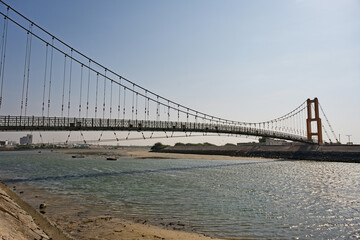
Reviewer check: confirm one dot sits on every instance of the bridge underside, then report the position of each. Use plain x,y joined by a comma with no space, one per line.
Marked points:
33,123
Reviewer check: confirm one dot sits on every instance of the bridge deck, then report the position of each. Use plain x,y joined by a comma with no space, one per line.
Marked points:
33,123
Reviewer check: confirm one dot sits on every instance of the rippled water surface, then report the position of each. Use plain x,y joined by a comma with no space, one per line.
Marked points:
228,199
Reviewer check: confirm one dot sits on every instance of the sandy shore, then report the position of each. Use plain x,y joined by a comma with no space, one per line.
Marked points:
65,219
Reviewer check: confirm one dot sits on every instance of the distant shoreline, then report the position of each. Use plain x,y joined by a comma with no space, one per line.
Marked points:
251,151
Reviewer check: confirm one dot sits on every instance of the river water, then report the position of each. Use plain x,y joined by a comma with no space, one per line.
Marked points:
227,199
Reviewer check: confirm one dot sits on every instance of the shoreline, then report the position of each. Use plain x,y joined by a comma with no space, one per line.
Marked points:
72,221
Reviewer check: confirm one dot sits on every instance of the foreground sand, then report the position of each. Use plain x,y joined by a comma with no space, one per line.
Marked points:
20,220
106,227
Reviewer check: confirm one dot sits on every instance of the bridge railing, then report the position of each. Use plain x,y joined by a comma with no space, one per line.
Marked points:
23,123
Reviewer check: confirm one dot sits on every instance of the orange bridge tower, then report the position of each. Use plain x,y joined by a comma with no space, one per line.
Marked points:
313,129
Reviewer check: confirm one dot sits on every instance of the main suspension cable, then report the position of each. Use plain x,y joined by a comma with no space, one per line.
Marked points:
328,122
323,127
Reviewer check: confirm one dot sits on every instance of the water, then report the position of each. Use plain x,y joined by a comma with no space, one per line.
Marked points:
226,199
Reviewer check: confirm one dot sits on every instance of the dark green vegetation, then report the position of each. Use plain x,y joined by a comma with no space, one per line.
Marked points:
262,139
195,144
158,146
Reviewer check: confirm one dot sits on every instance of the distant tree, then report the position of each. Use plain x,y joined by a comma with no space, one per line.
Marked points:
195,144
230,144
208,144
179,144
22,147
158,146
262,139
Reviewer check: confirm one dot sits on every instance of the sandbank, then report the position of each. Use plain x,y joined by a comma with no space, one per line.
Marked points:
143,153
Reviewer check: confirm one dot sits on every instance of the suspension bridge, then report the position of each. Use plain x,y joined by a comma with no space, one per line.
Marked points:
47,85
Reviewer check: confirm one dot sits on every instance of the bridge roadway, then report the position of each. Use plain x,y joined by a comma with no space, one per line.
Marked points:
34,123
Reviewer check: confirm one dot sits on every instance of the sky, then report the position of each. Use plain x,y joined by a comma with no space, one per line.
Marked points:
249,61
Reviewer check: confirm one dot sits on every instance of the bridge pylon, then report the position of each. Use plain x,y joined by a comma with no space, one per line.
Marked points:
313,107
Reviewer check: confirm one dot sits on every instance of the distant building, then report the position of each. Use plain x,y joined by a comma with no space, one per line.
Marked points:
26,140
11,143
7,143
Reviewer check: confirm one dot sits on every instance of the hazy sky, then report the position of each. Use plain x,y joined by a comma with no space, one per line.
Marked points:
243,60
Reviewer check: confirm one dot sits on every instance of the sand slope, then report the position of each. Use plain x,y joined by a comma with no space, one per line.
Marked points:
18,220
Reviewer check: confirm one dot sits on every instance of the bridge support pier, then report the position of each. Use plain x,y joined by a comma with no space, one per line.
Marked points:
313,104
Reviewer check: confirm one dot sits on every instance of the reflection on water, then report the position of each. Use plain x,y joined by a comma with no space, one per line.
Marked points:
228,199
